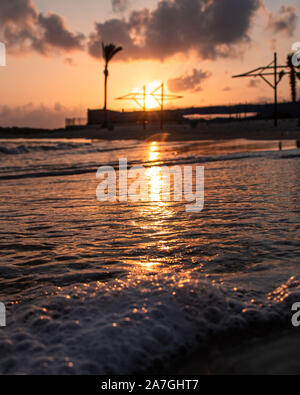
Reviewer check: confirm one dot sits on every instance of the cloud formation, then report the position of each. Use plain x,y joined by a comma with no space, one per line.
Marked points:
208,28
16,11
284,22
41,116
23,28
211,28
56,34
188,82
119,5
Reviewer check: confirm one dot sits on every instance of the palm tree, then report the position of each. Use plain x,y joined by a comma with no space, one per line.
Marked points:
109,51
293,77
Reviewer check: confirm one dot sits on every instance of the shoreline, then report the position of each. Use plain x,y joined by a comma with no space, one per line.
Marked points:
252,130
273,354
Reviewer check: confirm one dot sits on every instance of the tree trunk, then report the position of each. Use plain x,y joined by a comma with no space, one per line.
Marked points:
105,97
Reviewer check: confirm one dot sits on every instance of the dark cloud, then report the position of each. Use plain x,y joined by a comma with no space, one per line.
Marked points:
55,33
119,5
16,11
211,28
188,82
284,22
227,89
24,29
115,31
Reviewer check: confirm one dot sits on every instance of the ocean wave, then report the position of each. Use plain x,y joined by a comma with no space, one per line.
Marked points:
79,148
28,148
67,170
131,325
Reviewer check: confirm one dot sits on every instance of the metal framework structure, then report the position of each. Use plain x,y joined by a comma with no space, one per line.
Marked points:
158,94
271,70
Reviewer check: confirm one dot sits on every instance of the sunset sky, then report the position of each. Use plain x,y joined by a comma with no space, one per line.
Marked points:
194,46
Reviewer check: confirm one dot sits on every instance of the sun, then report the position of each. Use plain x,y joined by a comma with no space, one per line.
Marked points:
151,103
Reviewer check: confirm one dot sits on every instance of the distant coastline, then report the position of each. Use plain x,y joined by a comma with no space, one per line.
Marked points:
288,129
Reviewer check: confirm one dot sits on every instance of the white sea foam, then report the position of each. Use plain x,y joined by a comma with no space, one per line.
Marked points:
131,325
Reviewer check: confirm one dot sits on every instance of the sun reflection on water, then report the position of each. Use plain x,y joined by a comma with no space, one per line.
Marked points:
150,265
153,215
155,179
153,154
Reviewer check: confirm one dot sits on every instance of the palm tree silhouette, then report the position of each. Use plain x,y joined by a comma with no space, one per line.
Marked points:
109,51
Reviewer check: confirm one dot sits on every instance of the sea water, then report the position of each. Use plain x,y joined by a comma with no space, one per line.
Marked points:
100,287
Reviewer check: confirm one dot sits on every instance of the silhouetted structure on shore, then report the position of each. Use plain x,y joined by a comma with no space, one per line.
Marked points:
240,111
275,72
158,94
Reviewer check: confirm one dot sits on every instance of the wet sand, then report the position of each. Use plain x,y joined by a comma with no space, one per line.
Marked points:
276,354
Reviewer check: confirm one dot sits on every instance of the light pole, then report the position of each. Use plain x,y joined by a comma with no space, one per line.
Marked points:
267,71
